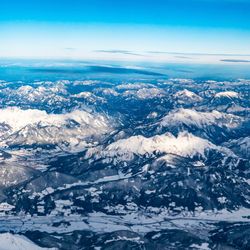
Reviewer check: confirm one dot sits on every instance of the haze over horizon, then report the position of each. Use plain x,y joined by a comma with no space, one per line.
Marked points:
175,31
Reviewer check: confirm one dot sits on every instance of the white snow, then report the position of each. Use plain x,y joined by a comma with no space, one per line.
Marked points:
182,80
90,97
185,144
34,126
86,82
153,219
203,246
185,96
145,93
41,94
18,118
229,94
83,95
17,242
6,207
109,91
199,119
152,115
134,86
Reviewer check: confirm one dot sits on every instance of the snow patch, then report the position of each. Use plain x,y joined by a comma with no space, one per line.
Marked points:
17,242
229,94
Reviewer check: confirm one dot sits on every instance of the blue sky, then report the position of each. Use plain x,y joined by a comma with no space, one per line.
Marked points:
123,28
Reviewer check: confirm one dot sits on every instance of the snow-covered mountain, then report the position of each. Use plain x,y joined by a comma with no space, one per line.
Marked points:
187,97
191,117
124,163
216,126
37,127
227,94
16,242
184,145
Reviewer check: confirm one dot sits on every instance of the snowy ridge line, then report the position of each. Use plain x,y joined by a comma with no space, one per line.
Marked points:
11,116
68,131
229,94
200,119
185,145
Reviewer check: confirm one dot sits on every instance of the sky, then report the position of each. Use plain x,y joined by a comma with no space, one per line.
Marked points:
173,30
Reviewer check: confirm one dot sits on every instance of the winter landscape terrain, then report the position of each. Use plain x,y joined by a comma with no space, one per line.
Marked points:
112,157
